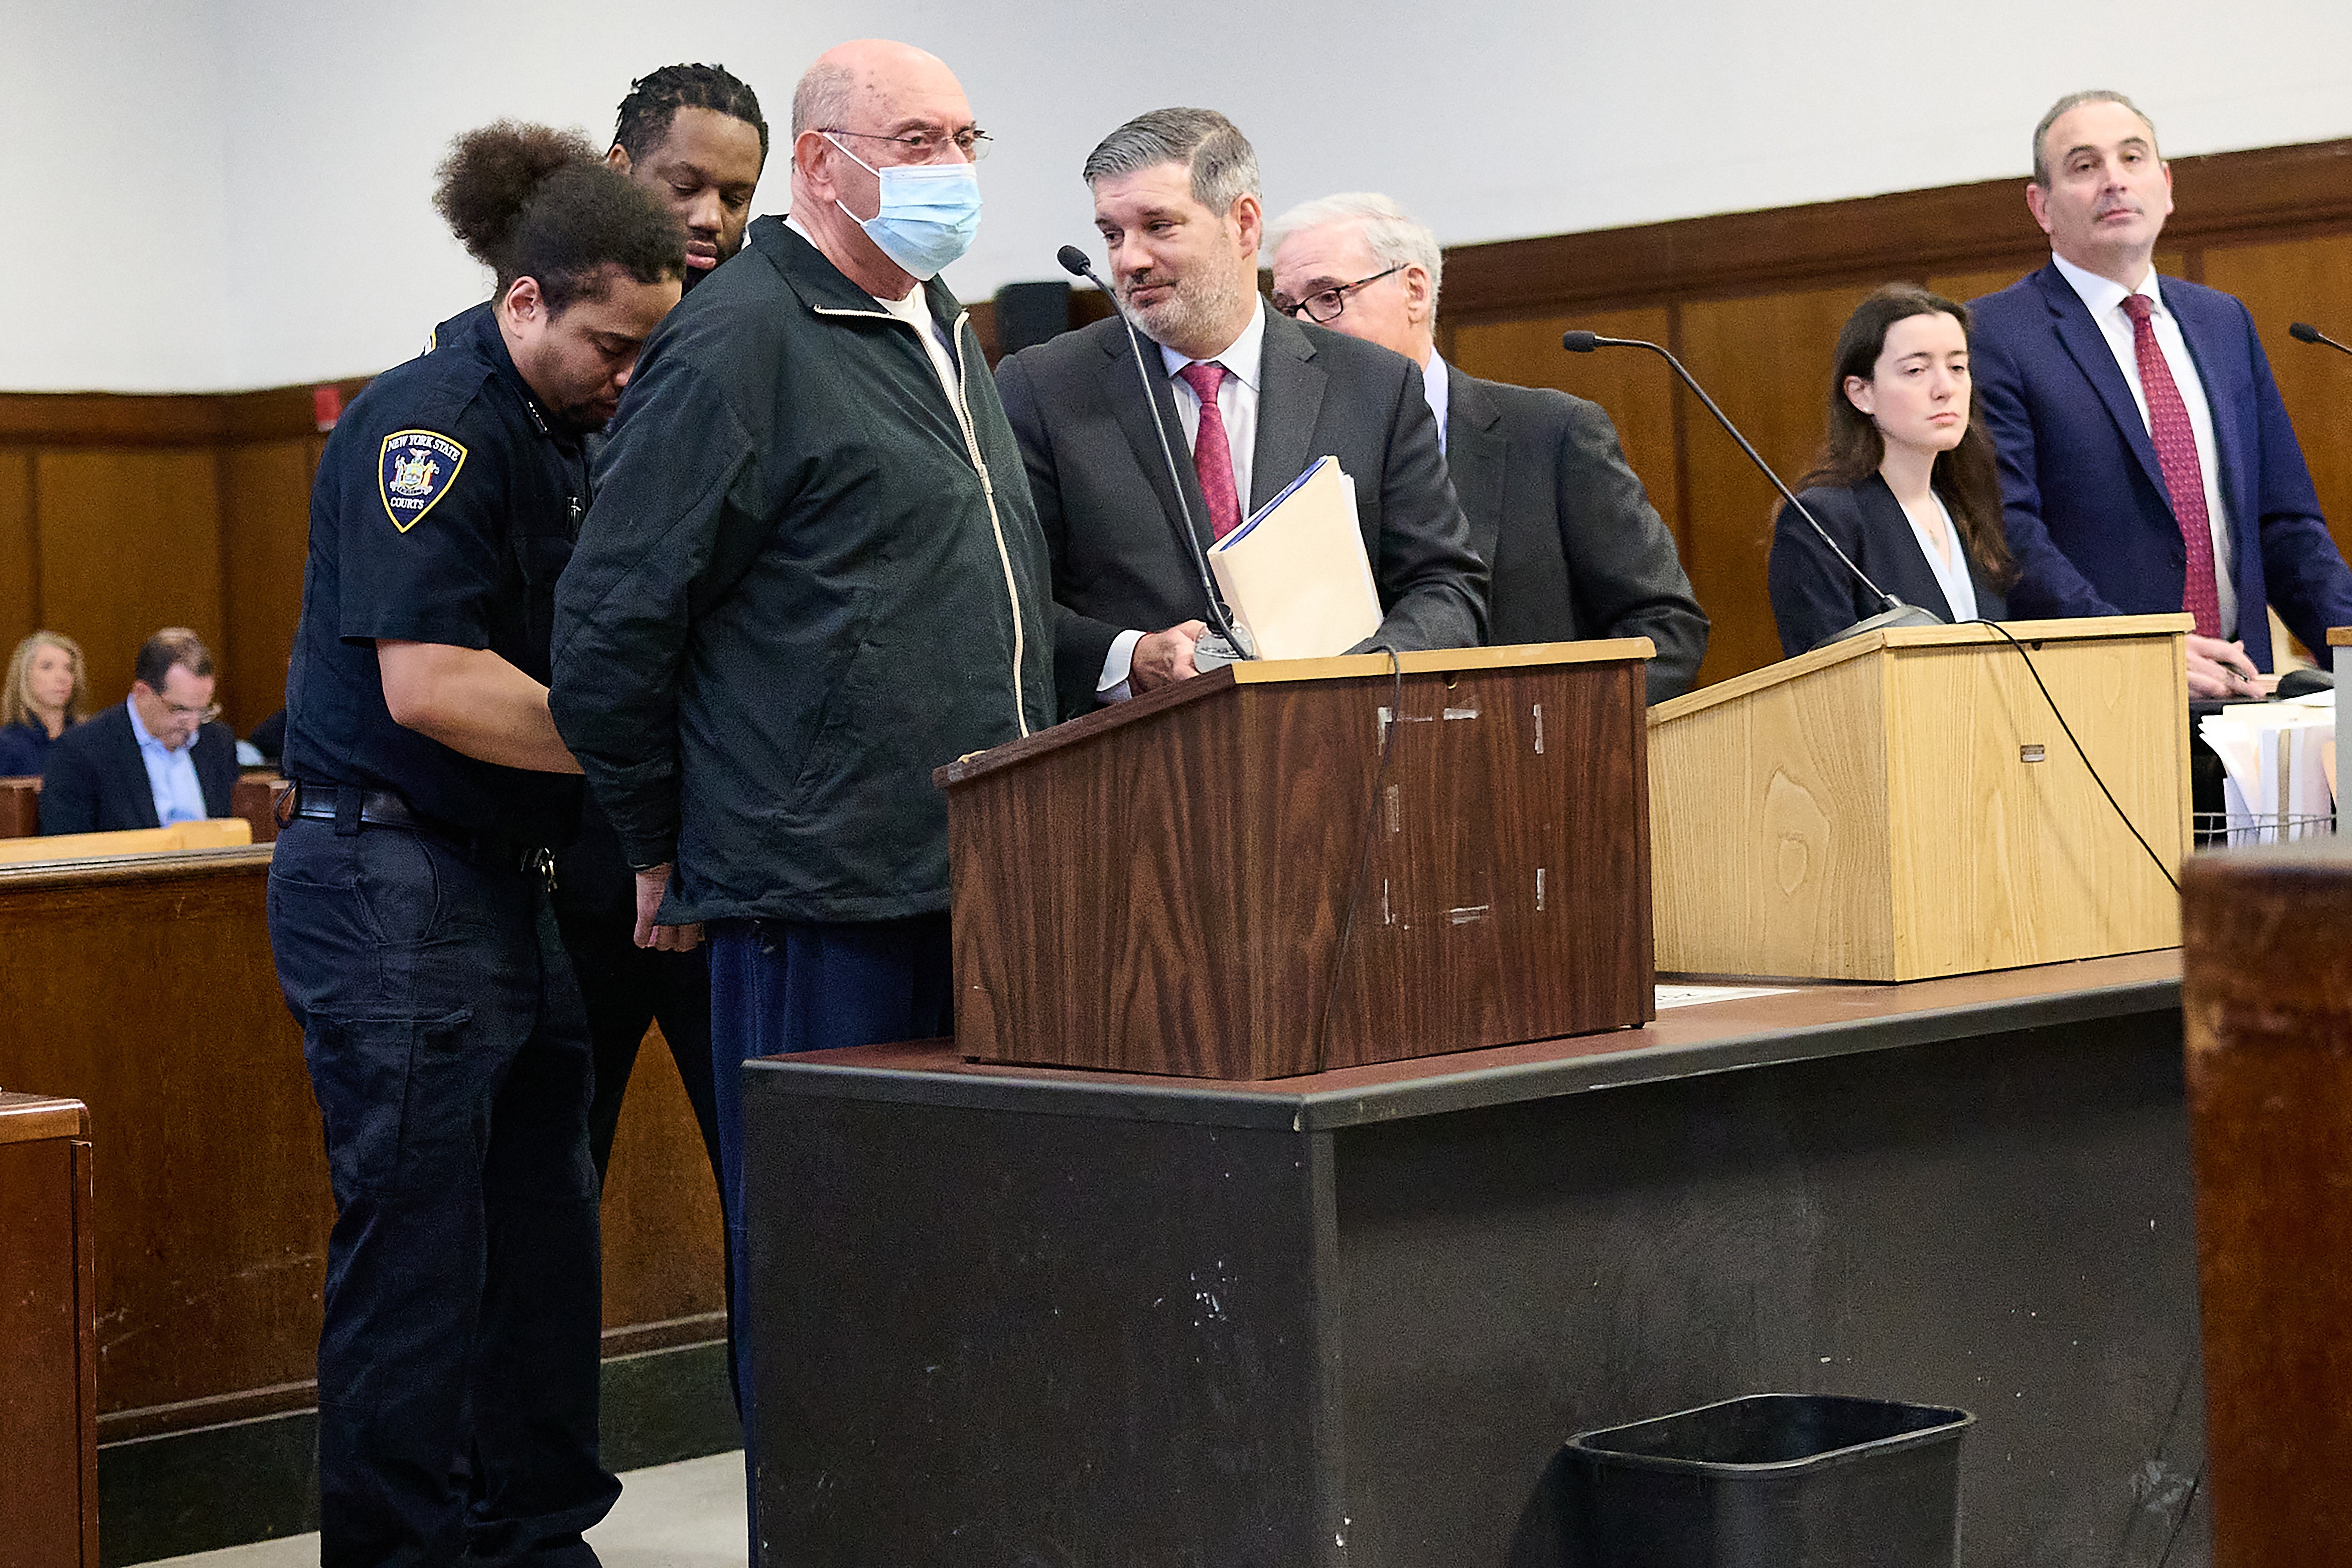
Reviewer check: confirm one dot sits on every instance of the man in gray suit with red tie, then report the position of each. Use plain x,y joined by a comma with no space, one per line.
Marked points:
1257,397
1575,548
2146,463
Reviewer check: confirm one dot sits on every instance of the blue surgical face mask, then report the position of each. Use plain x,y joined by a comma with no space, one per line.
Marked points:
930,212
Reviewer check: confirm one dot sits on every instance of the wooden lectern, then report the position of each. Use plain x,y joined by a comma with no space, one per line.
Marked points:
1904,804
1161,886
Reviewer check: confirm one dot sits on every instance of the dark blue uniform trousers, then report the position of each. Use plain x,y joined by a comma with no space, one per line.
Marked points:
781,986
457,1369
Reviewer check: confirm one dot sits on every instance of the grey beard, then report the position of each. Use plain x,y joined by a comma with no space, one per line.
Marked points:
1197,304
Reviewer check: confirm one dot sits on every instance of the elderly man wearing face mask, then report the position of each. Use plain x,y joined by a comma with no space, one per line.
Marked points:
812,574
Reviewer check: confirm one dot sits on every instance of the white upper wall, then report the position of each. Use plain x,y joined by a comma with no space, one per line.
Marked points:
261,169
114,250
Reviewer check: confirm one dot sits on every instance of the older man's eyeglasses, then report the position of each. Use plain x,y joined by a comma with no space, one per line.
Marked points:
972,141
204,715
1326,306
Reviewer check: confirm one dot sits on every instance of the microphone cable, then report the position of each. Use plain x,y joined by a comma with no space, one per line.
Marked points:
2163,870
1074,262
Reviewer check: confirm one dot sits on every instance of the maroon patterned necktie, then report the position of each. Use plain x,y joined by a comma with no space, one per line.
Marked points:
2184,475
1213,455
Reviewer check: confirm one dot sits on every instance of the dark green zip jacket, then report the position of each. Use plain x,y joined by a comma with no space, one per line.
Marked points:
808,578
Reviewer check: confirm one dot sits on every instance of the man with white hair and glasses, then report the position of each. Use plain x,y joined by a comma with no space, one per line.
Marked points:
1575,548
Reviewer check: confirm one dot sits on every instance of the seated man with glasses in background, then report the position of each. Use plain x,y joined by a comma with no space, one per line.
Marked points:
160,756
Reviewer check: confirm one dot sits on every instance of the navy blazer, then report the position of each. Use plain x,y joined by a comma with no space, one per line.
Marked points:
96,782
1814,596
23,746
2089,519
1564,523
1100,483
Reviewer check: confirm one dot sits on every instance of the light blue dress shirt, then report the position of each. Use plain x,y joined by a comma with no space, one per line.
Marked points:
170,775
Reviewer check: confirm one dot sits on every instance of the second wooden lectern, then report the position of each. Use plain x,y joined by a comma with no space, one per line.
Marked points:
1162,886
1905,804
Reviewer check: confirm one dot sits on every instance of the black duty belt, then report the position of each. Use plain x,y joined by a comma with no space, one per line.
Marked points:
351,808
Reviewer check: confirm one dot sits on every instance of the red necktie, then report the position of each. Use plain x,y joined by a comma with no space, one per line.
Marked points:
2184,476
1213,455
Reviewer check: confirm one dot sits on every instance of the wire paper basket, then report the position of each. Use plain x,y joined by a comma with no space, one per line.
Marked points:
2215,828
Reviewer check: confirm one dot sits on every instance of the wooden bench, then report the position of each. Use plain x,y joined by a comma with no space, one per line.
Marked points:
143,987
20,807
49,1322
253,798
214,833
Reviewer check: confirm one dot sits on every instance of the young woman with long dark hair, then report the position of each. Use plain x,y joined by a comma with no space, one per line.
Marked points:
1905,481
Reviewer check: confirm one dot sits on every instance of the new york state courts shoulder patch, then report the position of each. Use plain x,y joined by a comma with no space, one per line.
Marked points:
414,471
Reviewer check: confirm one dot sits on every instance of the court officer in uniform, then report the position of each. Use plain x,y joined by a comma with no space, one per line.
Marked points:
692,136
408,897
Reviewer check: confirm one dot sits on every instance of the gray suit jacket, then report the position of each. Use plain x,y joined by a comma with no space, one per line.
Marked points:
1110,515
1575,548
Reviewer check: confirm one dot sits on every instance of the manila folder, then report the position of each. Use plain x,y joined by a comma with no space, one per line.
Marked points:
1296,576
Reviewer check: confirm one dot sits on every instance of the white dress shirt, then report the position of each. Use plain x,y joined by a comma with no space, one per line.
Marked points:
1243,359
1440,395
2104,298
1950,562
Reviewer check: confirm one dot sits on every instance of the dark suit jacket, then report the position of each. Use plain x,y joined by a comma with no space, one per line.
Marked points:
1574,547
2089,517
1813,595
1103,496
96,782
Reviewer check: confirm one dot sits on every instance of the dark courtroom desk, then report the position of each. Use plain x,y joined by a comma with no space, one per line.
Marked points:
1032,1316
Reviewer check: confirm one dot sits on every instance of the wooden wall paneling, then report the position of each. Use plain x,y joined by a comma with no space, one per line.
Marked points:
170,419
265,540
130,541
20,603
2304,279
2222,198
1635,387
1766,360
662,1254
1967,286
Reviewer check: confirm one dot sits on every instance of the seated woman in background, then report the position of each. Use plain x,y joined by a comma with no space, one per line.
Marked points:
45,690
1905,483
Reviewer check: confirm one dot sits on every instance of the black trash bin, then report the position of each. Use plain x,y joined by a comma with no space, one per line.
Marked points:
1772,1480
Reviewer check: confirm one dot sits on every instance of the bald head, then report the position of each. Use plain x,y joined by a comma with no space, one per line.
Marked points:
855,79
864,107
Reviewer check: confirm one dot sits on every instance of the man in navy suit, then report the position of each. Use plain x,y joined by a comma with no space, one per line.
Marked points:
2146,463
161,756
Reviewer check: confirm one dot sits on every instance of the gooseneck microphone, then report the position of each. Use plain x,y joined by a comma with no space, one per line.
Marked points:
1074,262
1897,613
2305,332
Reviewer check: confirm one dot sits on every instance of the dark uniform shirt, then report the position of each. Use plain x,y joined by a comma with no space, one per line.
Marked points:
445,509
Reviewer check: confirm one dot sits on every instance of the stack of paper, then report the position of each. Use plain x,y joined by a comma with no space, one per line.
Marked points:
1295,575
2280,763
